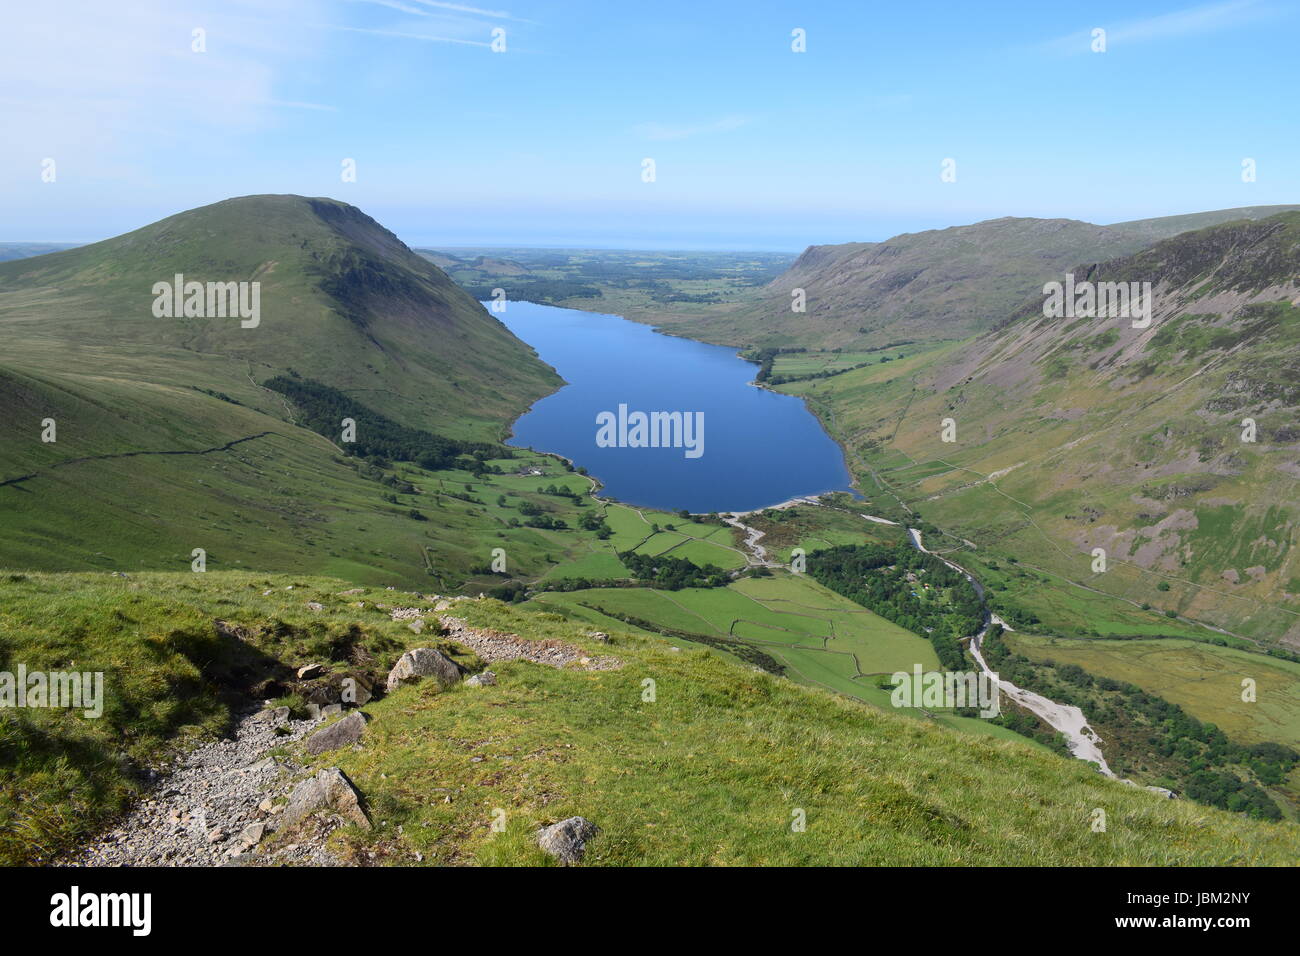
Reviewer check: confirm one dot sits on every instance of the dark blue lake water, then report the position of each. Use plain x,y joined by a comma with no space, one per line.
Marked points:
758,448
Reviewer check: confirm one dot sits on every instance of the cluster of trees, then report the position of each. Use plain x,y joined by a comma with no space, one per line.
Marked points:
765,358
591,521
671,573
1198,759
547,523
559,491
824,373
891,581
323,409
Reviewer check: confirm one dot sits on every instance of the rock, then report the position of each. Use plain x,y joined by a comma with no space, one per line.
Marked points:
309,671
424,662
217,835
344,733
355,690
329,710
313,711
248,838
567,840
349,687
275,715
315,606
417,626
599,636
266,763
1167,794
486,679
329,788
267,805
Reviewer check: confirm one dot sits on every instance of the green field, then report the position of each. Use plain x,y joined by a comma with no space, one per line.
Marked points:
820,638
1203,679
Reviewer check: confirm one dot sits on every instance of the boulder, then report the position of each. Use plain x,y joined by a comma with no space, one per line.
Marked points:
486,679
351,687
424,662
310,671
330,789
567,840
248,838
344,733
276,715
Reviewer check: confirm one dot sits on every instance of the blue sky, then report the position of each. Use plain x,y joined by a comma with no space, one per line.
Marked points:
755,146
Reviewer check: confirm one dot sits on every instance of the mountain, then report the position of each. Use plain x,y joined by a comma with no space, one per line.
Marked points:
343,301
938,284
166,436
1074,434
22,250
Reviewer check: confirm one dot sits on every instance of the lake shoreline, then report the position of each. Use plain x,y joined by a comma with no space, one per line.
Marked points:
767,451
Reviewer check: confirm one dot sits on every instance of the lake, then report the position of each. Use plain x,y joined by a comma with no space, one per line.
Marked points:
734,447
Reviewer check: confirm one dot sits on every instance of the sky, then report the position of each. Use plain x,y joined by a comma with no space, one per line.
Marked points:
113,116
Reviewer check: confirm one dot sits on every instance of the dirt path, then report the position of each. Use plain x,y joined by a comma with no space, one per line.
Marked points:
214,800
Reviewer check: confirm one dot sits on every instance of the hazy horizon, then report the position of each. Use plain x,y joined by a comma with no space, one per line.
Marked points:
116,121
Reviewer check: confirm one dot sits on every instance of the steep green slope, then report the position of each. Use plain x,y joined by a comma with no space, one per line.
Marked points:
343,301
165,438
713,770
938,284
1076,434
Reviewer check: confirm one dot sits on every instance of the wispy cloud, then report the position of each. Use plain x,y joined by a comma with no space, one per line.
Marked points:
663,131
462,8
396,5
1208,18
402,34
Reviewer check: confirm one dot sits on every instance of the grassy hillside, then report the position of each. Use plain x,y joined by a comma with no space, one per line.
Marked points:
919,287
1096,434
709,772
167,438
1077,434
343,301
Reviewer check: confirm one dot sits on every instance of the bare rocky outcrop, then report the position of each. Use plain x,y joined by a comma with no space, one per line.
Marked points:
567,840
344,733
424,662
332,790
